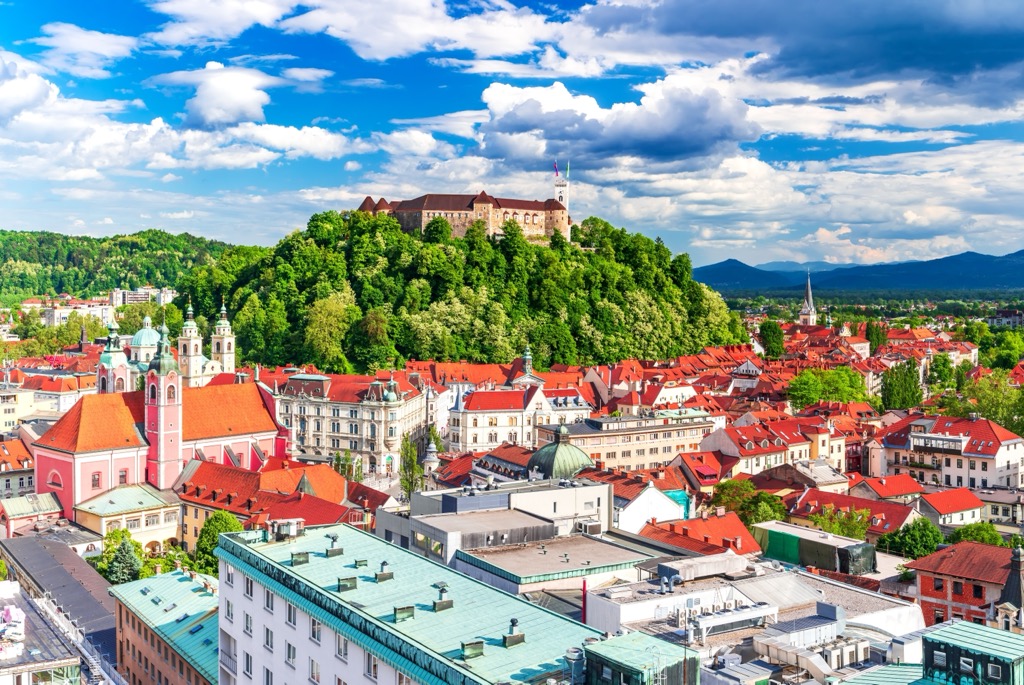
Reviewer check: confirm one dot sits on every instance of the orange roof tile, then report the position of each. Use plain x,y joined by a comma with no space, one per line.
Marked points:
952,501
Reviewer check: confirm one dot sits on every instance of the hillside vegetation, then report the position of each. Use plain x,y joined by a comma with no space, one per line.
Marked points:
355,292
40,263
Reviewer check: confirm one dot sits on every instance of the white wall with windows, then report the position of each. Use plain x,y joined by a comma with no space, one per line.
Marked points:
265,640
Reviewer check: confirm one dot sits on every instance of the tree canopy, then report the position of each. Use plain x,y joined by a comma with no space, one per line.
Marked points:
410,471
841,384
852,523
901,386
209,535
772,339
355,291
919,538
982,531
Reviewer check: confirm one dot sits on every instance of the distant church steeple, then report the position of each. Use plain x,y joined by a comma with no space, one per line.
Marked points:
808,314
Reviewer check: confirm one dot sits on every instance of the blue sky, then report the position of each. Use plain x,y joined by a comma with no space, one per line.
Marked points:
847,132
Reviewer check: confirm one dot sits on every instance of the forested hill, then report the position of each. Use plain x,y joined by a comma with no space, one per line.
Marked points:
41,263
353,291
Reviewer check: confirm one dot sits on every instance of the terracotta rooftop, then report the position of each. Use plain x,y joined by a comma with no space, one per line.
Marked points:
952,501
969,560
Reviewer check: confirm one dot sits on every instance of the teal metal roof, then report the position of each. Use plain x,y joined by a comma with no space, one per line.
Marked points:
977,638
640,652
30,505
890,674
428,646
125,499
178,609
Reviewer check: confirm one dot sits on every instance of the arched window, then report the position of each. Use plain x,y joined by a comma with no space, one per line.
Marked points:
218,347
229,346
172,393
103,385
195,349
54,480
152,392
119,385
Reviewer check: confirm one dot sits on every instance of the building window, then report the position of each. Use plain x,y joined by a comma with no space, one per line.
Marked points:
268,600
958,587
229,610
122,477
172,517
342,648
937,584
995,672
978,591
229,575
371,666
248,587
289,654
314,629
152,519
247,663
966,665
404,679
939,658
96,480
133,524
314,670
268,638
289,614
268,676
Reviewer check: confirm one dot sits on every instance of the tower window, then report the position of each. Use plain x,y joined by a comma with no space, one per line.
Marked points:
152,392
172,394
103,385
218,347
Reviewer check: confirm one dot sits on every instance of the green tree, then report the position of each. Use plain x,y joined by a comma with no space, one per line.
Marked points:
733,494
349,466
437,230
327,323
435,438
992,397
982,531
125,565
410,471
913,541
853,523
805,389
772,339
761,507
940,371
209,535
875,335
901,388
3,570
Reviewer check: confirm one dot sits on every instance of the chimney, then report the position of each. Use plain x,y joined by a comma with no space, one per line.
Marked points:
719,511
158,569
654,521
704,514
738,542
177,565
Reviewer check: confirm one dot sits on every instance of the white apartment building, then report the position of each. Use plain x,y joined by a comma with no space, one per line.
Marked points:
162,296
366,415
484,419
635,442
338,606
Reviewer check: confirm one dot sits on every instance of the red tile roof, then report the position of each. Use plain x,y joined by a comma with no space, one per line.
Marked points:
15,455
455,473
707,468
718,532
110,420
315,510
495,400
953,501
969,560
885,516
894,486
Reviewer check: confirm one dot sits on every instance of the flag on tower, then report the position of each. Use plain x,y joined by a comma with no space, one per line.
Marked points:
556,167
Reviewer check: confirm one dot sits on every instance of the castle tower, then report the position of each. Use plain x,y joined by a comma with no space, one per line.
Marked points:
163,416
190,351
808,314
562,187
222,343
112,372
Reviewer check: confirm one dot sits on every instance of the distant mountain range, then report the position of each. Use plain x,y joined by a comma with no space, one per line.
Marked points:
966,271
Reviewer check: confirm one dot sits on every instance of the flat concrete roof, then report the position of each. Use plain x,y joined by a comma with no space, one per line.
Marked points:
810,533
544,558
485,521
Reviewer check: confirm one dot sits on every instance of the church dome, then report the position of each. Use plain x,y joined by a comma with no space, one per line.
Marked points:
147,336
559,459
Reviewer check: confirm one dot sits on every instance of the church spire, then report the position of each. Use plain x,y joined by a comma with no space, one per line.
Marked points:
808,314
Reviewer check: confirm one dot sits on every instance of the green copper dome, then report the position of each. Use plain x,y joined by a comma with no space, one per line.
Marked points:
147,336
559,459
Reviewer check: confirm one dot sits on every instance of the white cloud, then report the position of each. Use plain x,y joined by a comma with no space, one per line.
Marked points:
21,91
224,95
169,178
203,22
353,165
105,221
183,214
82,52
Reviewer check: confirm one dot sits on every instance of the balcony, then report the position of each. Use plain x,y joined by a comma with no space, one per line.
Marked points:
229,661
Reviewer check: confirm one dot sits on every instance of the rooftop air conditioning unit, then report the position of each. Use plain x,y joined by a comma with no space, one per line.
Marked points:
592,528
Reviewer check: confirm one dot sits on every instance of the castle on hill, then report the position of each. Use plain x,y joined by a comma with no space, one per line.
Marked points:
538,218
